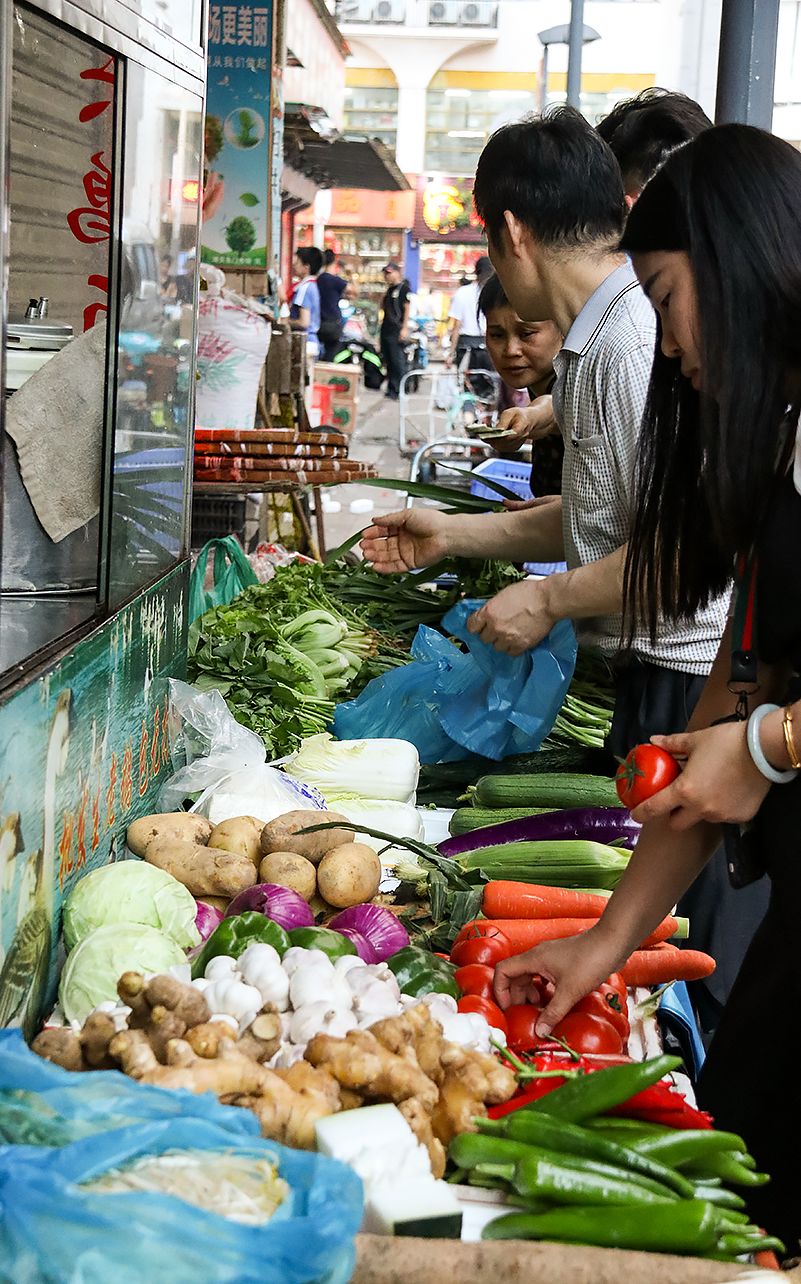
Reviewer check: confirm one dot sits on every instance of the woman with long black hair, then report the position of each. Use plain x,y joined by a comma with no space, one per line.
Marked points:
716,242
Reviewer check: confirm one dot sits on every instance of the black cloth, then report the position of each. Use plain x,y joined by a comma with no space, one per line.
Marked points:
393,354
394,306
547,457
330,337
750,1078
331,289
651,700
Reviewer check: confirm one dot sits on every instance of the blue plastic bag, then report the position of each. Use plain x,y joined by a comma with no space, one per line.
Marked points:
53,1231
450,703
41,1104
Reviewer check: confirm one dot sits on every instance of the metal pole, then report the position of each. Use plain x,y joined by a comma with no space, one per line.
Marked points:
575,44
747,62
544,81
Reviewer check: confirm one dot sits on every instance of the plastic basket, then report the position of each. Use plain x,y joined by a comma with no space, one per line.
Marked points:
514,474
212,517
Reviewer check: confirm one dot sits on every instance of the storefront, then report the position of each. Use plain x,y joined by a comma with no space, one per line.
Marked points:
450,239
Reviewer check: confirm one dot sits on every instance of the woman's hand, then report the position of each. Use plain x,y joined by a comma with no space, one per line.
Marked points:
718,783
573,967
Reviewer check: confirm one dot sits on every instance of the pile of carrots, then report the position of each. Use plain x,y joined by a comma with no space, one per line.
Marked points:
524,915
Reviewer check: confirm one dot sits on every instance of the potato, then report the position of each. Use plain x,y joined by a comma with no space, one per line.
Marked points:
287,869
349,875
281,835
217,902
239,835
181,825
205,871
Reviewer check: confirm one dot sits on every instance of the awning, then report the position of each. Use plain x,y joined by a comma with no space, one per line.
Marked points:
336,160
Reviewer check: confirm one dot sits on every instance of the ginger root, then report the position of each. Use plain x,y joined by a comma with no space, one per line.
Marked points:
98,1031
359,1062
420,1124
62,1046
141,996
289,1109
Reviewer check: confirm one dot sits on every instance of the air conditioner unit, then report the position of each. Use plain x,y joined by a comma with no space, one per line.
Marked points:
352,11
389,11
475,13
444,13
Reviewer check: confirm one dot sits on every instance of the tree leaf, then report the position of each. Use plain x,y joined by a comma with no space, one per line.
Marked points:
248,198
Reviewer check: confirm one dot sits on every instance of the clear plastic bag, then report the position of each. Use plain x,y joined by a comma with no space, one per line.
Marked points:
451,703
54,1230
224,766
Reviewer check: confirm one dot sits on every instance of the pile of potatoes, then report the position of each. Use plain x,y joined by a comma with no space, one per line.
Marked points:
329,869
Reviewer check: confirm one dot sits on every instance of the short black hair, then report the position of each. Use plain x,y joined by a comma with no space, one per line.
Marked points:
491,296
483,268
643,131
557,176
312,257
328,258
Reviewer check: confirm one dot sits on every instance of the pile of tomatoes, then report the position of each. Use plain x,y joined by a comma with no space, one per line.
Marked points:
597,1025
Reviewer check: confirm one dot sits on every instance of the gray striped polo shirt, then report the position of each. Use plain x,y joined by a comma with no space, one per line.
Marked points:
603,372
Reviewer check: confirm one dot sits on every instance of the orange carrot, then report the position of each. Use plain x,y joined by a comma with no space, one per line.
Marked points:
666,963
504,899
524,933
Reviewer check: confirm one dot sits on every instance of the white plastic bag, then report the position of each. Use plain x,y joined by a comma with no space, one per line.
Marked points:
225,764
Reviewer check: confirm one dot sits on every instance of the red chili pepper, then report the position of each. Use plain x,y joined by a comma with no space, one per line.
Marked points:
663,1104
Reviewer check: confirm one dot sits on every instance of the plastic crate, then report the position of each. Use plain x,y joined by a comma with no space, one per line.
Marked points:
212,517
514,474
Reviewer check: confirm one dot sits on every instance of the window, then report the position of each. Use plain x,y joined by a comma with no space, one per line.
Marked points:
374,112
459,121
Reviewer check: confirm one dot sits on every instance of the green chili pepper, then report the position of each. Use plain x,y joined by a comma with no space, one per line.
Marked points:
322,938
686,1227
618,1123
725,1166
682,1146
603,1089
735,1244
542,1130
234,935
471,1149
717,1195
419,972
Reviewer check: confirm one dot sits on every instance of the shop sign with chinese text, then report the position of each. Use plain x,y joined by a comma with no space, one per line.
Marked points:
444,210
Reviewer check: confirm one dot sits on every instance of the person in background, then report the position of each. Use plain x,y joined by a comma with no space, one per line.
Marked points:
642,132
394,327
304,310
332,289
716,244
523,354
467,324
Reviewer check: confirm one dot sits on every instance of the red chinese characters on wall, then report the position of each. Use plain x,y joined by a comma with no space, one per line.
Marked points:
91,223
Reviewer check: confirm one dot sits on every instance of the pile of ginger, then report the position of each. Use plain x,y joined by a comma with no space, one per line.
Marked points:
172,1042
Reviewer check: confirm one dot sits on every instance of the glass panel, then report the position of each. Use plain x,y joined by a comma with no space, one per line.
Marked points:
372,111
62,97
153,432
180,18
459,121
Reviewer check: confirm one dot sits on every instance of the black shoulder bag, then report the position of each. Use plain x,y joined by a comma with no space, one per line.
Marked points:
740,845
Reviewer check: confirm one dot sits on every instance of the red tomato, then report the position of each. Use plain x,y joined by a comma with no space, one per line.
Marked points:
589,1034
521,1023
486,1008
615,982
487,948
615,1009
475,978
595,1004
643,773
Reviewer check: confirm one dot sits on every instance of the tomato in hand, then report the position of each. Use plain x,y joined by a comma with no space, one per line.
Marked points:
588,1034
644,772
521,1027
484,1007
487,948
475,978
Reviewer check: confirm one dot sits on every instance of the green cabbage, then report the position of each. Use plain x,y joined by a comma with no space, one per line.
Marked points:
95,965
130,891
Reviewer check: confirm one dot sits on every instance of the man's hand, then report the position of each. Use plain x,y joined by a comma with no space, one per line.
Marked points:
406,541
718,783
515,619
525,423
523,505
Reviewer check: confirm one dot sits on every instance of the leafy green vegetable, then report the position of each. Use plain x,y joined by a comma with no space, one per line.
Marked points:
130,891
95,965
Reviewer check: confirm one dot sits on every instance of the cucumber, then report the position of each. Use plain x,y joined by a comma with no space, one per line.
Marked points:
548,791
466,819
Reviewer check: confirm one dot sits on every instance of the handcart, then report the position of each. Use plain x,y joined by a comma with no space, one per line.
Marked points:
435,404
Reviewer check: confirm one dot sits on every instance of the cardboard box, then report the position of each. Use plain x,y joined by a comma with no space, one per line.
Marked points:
344,379
344,413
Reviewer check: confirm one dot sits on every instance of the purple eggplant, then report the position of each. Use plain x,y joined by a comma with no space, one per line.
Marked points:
610,825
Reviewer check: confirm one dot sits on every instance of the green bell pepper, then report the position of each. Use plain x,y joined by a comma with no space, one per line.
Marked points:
420,972
235,934
322,938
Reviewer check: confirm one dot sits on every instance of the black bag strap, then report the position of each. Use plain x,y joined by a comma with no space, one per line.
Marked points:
744,665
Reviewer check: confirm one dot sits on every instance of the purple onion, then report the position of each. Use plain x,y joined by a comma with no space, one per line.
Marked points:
364,949
284,906
382,929
206,919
